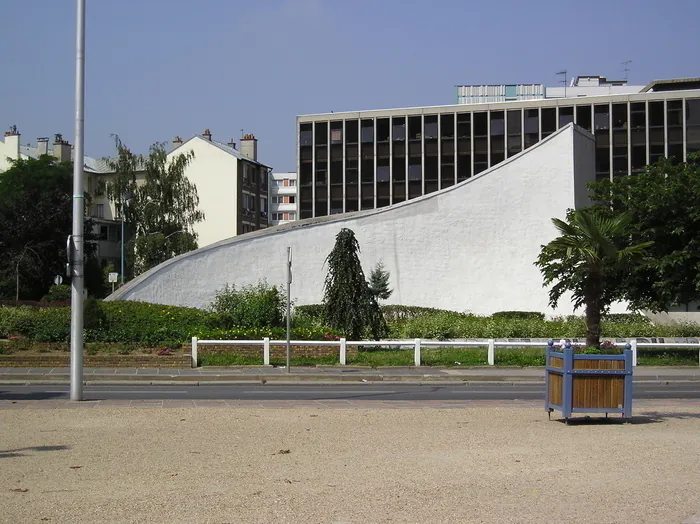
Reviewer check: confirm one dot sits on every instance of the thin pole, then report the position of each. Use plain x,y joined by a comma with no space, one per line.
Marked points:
122,242
77,263
289,306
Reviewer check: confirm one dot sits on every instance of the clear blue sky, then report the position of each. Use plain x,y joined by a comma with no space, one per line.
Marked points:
160,68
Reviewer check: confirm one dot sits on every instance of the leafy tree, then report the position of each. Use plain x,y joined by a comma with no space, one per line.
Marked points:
664,202
160,211
35,221
349,304
588,261
379,282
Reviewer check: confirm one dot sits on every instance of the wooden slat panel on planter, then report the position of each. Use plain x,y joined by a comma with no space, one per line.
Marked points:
555,388
598,392
598,364
556,362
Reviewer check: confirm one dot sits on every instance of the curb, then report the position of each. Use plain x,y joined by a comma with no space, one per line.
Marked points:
228,380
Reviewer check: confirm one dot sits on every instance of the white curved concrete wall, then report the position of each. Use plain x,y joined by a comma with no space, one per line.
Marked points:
470,247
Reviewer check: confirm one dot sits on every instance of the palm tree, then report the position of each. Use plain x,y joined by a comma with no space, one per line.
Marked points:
588,260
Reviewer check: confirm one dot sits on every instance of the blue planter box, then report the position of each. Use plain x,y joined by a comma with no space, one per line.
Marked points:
578,383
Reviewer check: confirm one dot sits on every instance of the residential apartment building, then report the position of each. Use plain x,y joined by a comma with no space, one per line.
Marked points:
370,159
283,198
231,184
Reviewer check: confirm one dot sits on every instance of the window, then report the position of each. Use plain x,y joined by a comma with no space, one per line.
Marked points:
305,135
431,127
91,185
292,216
292,183
367,131
292,200
100,210
336,136
263,206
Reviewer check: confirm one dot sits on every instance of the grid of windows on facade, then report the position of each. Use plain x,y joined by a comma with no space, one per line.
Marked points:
282,216
284,183
352,164
284,199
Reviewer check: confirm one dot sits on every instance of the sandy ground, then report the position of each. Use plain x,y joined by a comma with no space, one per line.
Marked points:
231,465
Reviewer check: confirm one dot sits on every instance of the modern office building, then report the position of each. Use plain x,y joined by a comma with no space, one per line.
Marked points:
283,198
369,159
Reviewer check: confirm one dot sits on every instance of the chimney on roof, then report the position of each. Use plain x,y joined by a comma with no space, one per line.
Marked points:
177,142
249,147
61,148
207,134
231,144
12,143
42,146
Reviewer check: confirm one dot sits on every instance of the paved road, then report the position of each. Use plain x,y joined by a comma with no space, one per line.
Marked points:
677,390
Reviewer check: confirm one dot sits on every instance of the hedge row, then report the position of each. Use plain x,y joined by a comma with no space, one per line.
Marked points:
454,325
152,324
135,322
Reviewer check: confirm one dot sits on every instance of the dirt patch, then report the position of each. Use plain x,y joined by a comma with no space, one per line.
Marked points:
345,465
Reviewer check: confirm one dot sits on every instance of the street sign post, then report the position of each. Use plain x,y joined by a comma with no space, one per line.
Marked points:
289,306
112,277
58,280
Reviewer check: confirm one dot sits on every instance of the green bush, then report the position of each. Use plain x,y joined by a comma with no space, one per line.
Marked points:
51,325
16,321
311,311
625,318
523,315
261,305
397,313
60,293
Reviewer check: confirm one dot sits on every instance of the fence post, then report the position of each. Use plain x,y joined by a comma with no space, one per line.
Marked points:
194,352
342,351
633,344
492,352
266,351
416,352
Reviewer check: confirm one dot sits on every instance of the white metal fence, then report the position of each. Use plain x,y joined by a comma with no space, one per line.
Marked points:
417,344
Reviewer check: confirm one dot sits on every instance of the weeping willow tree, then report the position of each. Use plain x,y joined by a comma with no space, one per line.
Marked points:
349,304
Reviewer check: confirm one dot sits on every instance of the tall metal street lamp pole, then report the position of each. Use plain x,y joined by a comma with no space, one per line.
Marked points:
76,262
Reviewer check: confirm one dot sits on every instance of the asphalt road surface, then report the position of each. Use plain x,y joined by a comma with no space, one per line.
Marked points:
671,390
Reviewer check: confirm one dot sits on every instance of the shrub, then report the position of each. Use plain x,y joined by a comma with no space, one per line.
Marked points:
310,310
16,321
394,314
59,293
52,325
523,315
257,306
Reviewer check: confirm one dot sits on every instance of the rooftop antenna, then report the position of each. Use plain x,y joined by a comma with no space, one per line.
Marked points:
626,68
563,81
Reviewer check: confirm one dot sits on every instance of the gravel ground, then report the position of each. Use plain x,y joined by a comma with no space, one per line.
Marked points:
239,465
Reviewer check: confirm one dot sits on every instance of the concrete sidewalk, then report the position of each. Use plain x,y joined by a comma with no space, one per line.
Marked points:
320,374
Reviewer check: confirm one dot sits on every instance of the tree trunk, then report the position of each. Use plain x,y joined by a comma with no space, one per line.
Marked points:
593,297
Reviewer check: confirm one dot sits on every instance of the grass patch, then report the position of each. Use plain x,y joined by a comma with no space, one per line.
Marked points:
667,357
381,357
229,359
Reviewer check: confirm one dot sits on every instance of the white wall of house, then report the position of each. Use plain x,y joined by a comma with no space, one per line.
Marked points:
215,173
470,247
9,149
